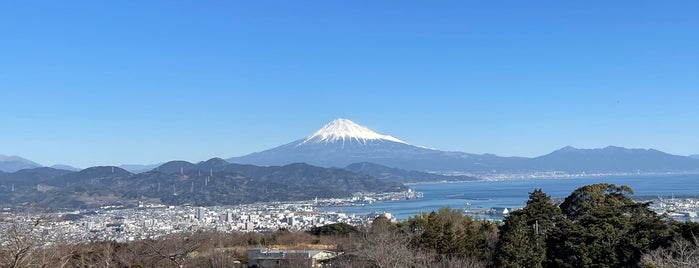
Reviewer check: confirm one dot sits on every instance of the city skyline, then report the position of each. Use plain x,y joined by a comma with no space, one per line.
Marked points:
89,84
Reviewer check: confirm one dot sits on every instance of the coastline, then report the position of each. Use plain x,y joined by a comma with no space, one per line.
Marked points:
546,175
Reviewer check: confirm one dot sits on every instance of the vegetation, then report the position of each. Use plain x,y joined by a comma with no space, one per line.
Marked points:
596,226
400,175
208,183
601,224
340,229
523,234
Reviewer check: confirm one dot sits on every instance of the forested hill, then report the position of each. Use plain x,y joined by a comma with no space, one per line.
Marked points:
401,175
177,183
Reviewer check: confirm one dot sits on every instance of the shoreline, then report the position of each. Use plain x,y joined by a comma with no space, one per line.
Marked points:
536,176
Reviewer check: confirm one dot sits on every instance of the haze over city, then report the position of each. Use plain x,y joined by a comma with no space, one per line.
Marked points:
90,84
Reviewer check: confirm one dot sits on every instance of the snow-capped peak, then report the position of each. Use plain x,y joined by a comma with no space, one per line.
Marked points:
344,130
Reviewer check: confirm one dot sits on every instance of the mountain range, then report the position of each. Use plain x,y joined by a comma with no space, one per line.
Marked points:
338,160
343,142
208,183
137,168
65,167
15,163
400,175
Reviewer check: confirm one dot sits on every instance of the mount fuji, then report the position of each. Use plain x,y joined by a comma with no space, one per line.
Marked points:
345,131
342,142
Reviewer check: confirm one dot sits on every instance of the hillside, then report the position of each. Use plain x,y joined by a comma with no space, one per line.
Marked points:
173,184
342,142
613,159
400,175
31,177
14,163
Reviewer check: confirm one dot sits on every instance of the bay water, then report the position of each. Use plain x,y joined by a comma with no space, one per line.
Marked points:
483,195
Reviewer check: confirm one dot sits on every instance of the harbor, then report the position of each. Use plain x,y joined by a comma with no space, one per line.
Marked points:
483,199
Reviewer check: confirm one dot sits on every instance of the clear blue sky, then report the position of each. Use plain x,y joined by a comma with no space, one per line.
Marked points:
110,82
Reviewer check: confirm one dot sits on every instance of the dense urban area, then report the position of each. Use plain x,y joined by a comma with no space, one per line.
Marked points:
119,224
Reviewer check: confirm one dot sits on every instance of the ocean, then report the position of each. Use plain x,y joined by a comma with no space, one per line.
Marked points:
483,195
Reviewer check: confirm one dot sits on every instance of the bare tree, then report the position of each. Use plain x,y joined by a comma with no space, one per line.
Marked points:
385,247
681,253
20,242
175,249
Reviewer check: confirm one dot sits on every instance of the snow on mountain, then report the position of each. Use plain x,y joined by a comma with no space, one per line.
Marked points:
343,142
344,130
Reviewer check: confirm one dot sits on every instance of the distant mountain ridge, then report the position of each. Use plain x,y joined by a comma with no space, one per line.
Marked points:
65,167
613,159
31,176
401,175
341,143
138,168
14,163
